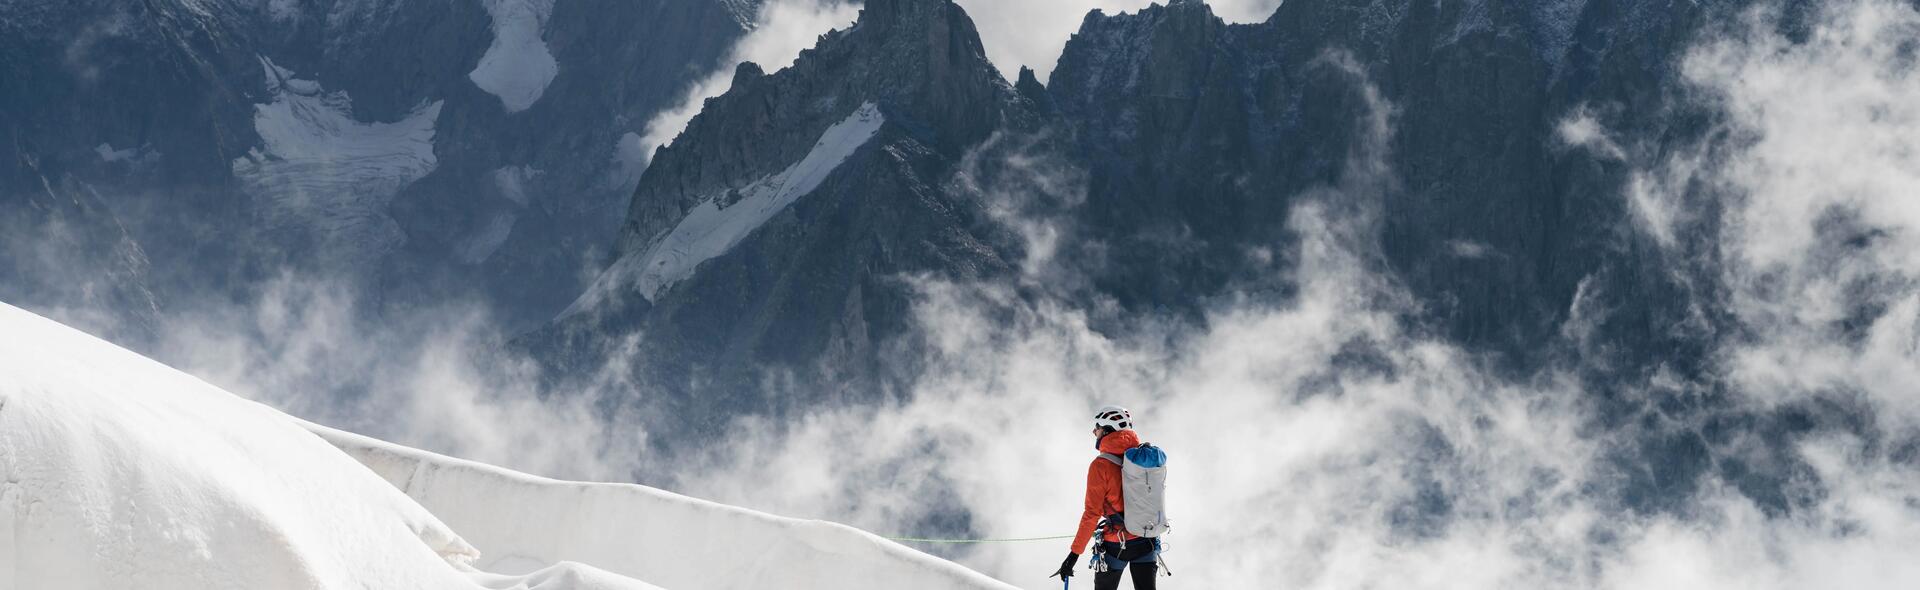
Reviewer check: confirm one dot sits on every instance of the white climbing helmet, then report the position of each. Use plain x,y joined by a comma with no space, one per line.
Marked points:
1114,417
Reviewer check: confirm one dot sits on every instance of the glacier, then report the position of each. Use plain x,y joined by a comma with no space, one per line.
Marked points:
517,66
119,472
722,220
321,169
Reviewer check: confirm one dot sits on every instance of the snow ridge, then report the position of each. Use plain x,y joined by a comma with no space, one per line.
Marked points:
641,532
518,66
120,472
722,220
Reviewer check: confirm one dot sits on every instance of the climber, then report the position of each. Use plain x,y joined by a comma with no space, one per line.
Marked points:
1118,549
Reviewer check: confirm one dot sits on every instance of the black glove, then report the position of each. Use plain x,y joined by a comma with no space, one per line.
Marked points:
1066,567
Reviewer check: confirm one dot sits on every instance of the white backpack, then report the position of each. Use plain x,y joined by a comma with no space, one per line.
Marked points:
1143,488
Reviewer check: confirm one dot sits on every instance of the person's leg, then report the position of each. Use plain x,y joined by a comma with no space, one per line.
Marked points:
1144,575
1107,580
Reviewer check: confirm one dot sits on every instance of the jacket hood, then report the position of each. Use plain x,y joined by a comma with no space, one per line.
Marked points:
1118,442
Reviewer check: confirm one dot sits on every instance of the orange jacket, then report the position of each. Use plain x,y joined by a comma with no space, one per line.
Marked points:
1103,490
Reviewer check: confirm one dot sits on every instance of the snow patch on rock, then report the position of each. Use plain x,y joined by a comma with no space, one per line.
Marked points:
518,66
136,156
320,169
482,244
283,10
722,220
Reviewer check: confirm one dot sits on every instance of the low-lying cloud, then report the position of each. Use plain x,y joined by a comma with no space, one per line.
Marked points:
438,379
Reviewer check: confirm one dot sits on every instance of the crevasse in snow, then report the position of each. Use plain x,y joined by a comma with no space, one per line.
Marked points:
723,219
517,66
321,169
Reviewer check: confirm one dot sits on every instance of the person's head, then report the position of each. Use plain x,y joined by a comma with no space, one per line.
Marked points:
1110,419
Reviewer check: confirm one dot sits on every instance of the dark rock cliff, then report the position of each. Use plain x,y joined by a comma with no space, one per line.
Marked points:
1196,138
798,310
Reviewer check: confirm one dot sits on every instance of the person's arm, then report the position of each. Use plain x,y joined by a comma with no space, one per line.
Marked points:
1095,507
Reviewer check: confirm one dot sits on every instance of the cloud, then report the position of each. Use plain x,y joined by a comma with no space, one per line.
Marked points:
438,378
1815,197
1582,129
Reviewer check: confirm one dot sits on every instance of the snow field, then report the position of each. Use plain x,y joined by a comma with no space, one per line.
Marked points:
517,66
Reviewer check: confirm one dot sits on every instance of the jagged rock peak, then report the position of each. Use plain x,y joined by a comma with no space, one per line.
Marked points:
1183,9
1169,49
887,12
1030,88
746,73
920,62
938,30
918,59
1028,80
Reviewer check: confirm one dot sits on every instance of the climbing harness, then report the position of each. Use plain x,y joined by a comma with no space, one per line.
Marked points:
1099,563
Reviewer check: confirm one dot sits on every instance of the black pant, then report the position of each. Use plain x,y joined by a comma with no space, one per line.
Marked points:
1138,558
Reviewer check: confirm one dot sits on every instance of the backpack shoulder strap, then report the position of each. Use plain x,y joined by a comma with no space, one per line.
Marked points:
1114,458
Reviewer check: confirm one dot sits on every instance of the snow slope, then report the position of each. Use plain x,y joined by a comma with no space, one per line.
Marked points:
668,539
123,473
517,66
119,472
720,221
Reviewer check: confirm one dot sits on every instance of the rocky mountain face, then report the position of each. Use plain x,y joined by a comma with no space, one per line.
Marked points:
1199,136
759,266
765,247
423,150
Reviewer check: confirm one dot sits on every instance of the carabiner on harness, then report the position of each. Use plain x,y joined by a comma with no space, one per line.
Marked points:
1099,562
